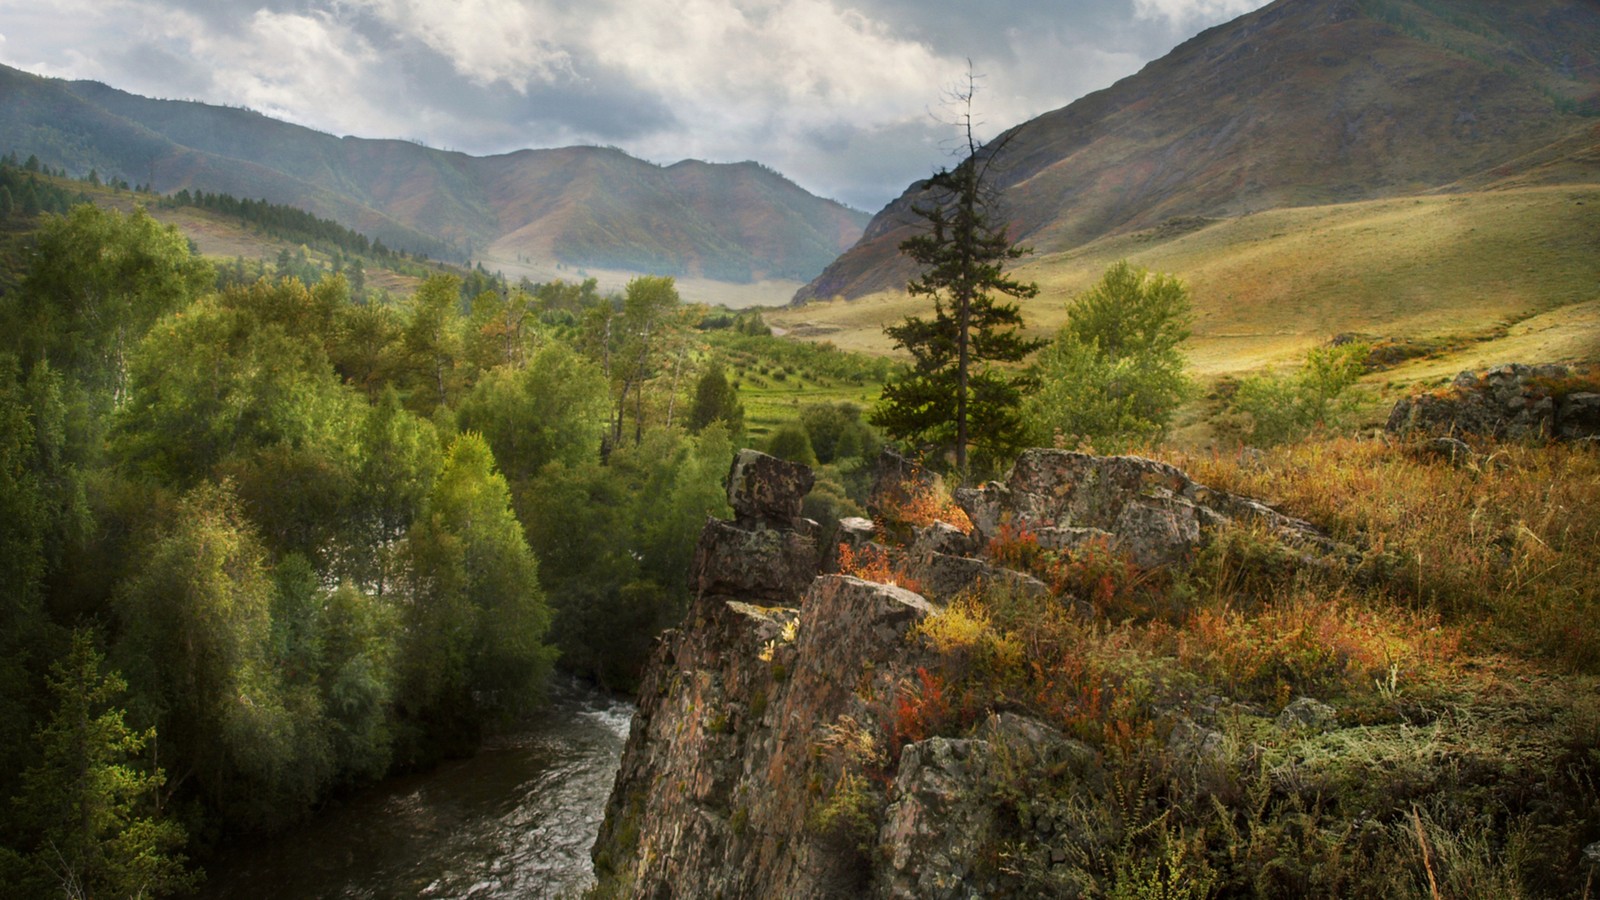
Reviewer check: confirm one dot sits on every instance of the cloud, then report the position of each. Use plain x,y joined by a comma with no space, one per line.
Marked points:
1184,14
844,96
488,41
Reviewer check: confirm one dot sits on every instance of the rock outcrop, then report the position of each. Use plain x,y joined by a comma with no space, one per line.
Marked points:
809,735
1509,402
711,799
756,765
1146,509
768,553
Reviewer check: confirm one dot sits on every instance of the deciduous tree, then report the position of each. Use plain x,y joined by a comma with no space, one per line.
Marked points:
99,279
1115,373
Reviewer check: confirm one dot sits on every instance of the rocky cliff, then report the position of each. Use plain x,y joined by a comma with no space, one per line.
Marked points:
812,734
759,759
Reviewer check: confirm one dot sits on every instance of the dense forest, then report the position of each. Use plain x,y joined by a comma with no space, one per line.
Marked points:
293,224
265,540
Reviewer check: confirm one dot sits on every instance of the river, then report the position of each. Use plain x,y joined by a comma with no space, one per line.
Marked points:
515,821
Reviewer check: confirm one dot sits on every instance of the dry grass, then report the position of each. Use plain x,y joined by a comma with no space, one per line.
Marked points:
1270,285
1510,546
1456,656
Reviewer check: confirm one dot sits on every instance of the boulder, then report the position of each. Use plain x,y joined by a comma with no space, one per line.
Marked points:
1507,402
942,819
754,561
768,553
765,488
1578,416
1308,713
1147,509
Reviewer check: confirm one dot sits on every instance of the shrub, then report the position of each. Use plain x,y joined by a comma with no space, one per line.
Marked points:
1281,408
1114,375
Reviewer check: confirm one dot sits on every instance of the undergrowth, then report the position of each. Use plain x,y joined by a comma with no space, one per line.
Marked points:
1454,646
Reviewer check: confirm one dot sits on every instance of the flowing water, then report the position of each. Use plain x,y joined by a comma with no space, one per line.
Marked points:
516,820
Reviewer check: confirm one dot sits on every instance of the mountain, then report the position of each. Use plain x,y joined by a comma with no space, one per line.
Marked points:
1303,102
578,206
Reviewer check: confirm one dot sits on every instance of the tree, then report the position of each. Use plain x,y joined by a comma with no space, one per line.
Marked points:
399,459
555,408
951,395
432,341
1283,408
716,400
791,442
98,281
1114,374
837,432
197,642
94,808
232,377
628,343
476,618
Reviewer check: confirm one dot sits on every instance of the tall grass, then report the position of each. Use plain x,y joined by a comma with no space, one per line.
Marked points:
1508,546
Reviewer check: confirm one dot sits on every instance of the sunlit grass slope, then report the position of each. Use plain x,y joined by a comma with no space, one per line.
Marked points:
1454,268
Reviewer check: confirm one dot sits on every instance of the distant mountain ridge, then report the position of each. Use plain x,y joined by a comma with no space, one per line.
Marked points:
1303,102
578,206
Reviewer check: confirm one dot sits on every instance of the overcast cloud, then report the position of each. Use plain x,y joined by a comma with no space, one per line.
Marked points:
843,96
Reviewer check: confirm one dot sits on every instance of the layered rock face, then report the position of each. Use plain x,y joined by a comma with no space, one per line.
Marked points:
758,743
1512,401
720,780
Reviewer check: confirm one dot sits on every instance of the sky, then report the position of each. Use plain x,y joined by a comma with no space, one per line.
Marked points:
848,98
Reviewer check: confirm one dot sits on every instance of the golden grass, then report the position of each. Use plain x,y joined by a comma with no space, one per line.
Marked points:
1510,546
1270,285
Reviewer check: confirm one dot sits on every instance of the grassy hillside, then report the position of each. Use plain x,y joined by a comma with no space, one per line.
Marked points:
587,207
1301,103
1454,270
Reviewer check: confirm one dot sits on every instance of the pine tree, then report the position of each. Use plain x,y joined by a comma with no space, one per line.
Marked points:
716,400
951,396
93,807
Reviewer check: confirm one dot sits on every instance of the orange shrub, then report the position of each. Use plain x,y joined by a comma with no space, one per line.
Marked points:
921,504
873,564
1311,645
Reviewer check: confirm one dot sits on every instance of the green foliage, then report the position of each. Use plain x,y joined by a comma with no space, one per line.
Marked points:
476,618
791,442
1114,374
837,432
951,396
553,409
241,386
848,818
1282,408
98,281
615,542
431,339
715,400
197,642
91,806
399,459
632,342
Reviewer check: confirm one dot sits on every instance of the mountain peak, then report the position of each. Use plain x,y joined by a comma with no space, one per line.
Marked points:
1302,102
579,207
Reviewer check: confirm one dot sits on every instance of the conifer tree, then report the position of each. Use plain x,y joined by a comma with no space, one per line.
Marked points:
93,806
952,396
